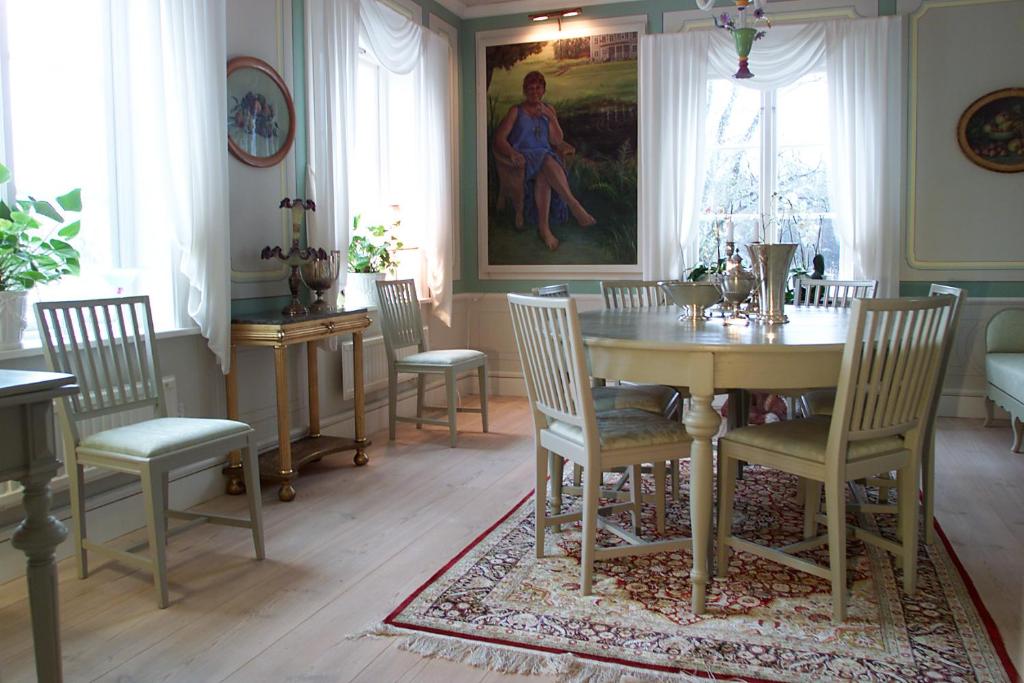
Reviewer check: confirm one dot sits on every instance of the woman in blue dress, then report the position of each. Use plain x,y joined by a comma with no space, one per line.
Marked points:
531,138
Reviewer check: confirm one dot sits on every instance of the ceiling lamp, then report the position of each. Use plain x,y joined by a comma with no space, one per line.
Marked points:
556,14
745,27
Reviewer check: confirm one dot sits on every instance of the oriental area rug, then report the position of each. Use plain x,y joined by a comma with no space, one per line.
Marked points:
497,606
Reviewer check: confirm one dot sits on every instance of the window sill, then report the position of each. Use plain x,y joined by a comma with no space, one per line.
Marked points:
31,346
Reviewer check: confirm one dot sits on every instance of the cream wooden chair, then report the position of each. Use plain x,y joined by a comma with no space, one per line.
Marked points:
557,290
823,405
831,293
628,294
109,345
403,327
566,424
888,379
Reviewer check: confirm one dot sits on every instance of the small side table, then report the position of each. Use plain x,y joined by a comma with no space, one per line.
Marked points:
277,331
28,455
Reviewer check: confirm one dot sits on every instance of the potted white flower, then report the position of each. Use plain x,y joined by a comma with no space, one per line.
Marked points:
33,251
372,255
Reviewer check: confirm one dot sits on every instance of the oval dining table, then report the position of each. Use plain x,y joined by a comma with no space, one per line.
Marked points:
652,346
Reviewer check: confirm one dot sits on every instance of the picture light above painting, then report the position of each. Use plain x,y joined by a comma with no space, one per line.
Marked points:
261,116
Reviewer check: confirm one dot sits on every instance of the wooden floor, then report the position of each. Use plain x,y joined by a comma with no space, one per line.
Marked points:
358,541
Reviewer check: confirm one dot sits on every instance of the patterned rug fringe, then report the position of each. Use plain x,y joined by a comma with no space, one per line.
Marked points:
565,667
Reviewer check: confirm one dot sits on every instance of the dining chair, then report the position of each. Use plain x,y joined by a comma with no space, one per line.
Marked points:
812,293
403,327
888,377
560,289
885,482
109,345
643,294
566,424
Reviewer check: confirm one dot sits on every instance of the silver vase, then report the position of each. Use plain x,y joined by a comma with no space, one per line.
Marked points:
771,266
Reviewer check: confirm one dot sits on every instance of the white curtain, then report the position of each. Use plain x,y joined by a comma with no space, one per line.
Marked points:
167,84
866,124
403,47
332,57
863,61
673,94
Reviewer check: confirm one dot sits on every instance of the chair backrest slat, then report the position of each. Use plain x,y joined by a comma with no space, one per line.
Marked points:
400,316
890,366
116,364
557,290
832,293
550,344
633,294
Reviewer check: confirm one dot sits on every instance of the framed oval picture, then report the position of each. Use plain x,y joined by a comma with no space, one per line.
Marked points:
261,116
991,131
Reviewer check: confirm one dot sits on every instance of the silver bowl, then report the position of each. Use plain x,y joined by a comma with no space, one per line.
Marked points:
319,274
692,297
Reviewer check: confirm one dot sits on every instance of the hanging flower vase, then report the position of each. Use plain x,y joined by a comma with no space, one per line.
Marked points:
744,38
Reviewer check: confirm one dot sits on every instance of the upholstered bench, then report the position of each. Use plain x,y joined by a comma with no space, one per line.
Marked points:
1004,368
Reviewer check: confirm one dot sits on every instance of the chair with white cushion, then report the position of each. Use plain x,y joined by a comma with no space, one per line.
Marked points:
567,425
109,345
403,327
888,377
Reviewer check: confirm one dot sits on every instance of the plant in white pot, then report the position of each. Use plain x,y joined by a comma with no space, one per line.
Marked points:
33,251
372,255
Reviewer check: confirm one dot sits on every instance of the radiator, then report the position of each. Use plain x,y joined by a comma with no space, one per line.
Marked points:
10,491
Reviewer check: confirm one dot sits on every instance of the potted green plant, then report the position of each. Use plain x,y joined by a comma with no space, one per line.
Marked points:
33,251
372,254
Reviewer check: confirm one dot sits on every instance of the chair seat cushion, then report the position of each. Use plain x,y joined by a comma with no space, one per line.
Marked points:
807,439
443,357
155,437
1006,371
820,401
627,428
653,398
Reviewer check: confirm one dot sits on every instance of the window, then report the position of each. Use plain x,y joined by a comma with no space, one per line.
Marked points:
767,165
385,148
62,135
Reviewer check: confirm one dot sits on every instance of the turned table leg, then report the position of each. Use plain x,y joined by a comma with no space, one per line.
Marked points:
38,537
702,422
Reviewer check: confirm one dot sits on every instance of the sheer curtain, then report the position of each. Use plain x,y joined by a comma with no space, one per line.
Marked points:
167,85
866,126
865,113
673,94
332,55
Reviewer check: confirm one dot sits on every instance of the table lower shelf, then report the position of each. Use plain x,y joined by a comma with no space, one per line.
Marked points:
304,451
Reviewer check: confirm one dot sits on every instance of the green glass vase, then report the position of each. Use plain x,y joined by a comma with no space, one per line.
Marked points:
744,39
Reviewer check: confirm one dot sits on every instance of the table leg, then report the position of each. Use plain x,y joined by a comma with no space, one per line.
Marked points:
702,423
313,383
233,471
38,536
359,407
284,444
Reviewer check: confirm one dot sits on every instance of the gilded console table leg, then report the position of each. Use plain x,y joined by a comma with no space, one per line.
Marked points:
236,483
359,417
284,445
313,383
38,537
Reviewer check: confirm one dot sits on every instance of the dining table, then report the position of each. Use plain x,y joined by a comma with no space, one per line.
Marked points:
653,345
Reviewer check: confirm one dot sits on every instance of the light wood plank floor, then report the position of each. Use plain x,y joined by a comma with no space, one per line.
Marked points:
358,541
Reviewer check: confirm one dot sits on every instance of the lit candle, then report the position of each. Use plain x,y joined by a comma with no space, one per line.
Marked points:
729,230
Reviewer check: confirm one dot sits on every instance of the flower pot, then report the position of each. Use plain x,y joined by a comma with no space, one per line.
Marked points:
12,318
361,290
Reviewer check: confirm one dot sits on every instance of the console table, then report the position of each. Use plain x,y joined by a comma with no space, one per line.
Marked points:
278,331
28,455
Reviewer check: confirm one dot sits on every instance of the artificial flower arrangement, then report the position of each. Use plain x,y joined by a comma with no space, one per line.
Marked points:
745,29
